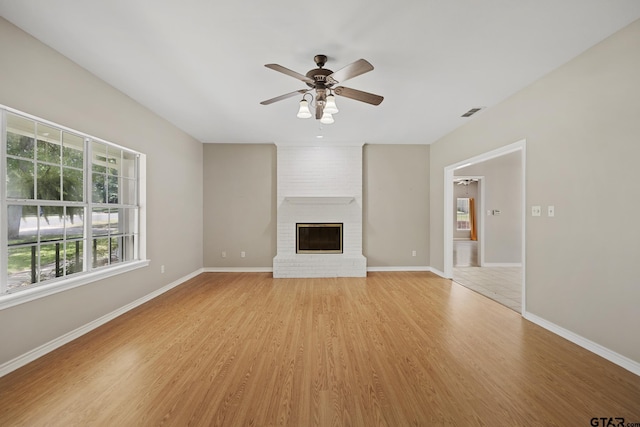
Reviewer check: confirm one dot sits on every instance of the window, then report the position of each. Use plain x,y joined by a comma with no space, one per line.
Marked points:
463,220
70,205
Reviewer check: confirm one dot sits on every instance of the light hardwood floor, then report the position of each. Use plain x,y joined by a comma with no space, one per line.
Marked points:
392,349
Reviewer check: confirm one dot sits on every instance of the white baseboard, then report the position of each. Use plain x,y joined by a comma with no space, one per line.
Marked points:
401,268
610,355
40,351
270,270
502,264
238,270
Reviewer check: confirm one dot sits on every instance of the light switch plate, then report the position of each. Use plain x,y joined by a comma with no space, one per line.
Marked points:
536,211
551,211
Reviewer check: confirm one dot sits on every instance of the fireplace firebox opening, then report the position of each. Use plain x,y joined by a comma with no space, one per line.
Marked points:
319,238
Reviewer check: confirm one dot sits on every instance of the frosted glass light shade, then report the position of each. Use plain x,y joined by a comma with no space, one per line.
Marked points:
326,119
331,107
303,112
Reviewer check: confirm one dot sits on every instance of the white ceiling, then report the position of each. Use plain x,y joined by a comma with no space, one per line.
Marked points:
200,63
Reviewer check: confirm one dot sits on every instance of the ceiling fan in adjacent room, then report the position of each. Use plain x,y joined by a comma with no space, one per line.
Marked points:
321,82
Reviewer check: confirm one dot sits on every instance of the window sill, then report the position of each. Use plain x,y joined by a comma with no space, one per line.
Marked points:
21,297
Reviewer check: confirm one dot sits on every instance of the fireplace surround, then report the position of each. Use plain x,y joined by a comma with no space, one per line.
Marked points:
319,184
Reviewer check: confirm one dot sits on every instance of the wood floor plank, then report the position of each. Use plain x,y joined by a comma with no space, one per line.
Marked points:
244,349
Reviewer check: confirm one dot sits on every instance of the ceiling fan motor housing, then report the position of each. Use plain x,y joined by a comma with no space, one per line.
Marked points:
320,77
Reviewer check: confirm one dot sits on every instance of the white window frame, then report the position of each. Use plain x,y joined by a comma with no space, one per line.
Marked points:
90,274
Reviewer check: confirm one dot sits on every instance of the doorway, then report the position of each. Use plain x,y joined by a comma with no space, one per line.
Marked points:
493,263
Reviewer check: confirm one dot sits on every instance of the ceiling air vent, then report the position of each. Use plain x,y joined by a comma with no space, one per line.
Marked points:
471,112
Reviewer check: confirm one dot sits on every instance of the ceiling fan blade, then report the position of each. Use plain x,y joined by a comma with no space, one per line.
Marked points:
358,95
285,96
289,72
319,109
350,71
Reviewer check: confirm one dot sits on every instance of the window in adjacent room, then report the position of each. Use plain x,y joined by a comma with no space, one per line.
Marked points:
463,220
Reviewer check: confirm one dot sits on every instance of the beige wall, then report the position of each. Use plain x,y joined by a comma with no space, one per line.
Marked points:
396,205
39,81
582,131
239,205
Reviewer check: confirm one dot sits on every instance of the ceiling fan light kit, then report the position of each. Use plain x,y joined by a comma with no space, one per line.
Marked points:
321,81
304,112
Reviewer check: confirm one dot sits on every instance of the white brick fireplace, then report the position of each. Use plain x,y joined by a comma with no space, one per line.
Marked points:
319,184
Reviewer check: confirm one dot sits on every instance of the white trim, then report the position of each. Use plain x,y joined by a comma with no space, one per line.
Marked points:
62,284
270,270
400,268
502,264
520,146
610,355
40,351
237,270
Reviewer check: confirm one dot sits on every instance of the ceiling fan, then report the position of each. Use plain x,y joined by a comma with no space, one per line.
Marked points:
321,82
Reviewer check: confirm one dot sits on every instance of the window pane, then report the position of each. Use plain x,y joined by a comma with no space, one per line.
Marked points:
20,136
51,256
22,224
72,150
49,144
463,214
113,189
100,252
113,160
128,248
128,166
99,157
75,222
114,221
19,145
21,267
72,185
128,221
51,223
99,190
100,221
19,179
116,255
128,194
74,257
48,182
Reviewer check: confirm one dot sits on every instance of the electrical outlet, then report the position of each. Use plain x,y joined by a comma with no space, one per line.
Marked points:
242,254
162,269
224,254
413,253
536,211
